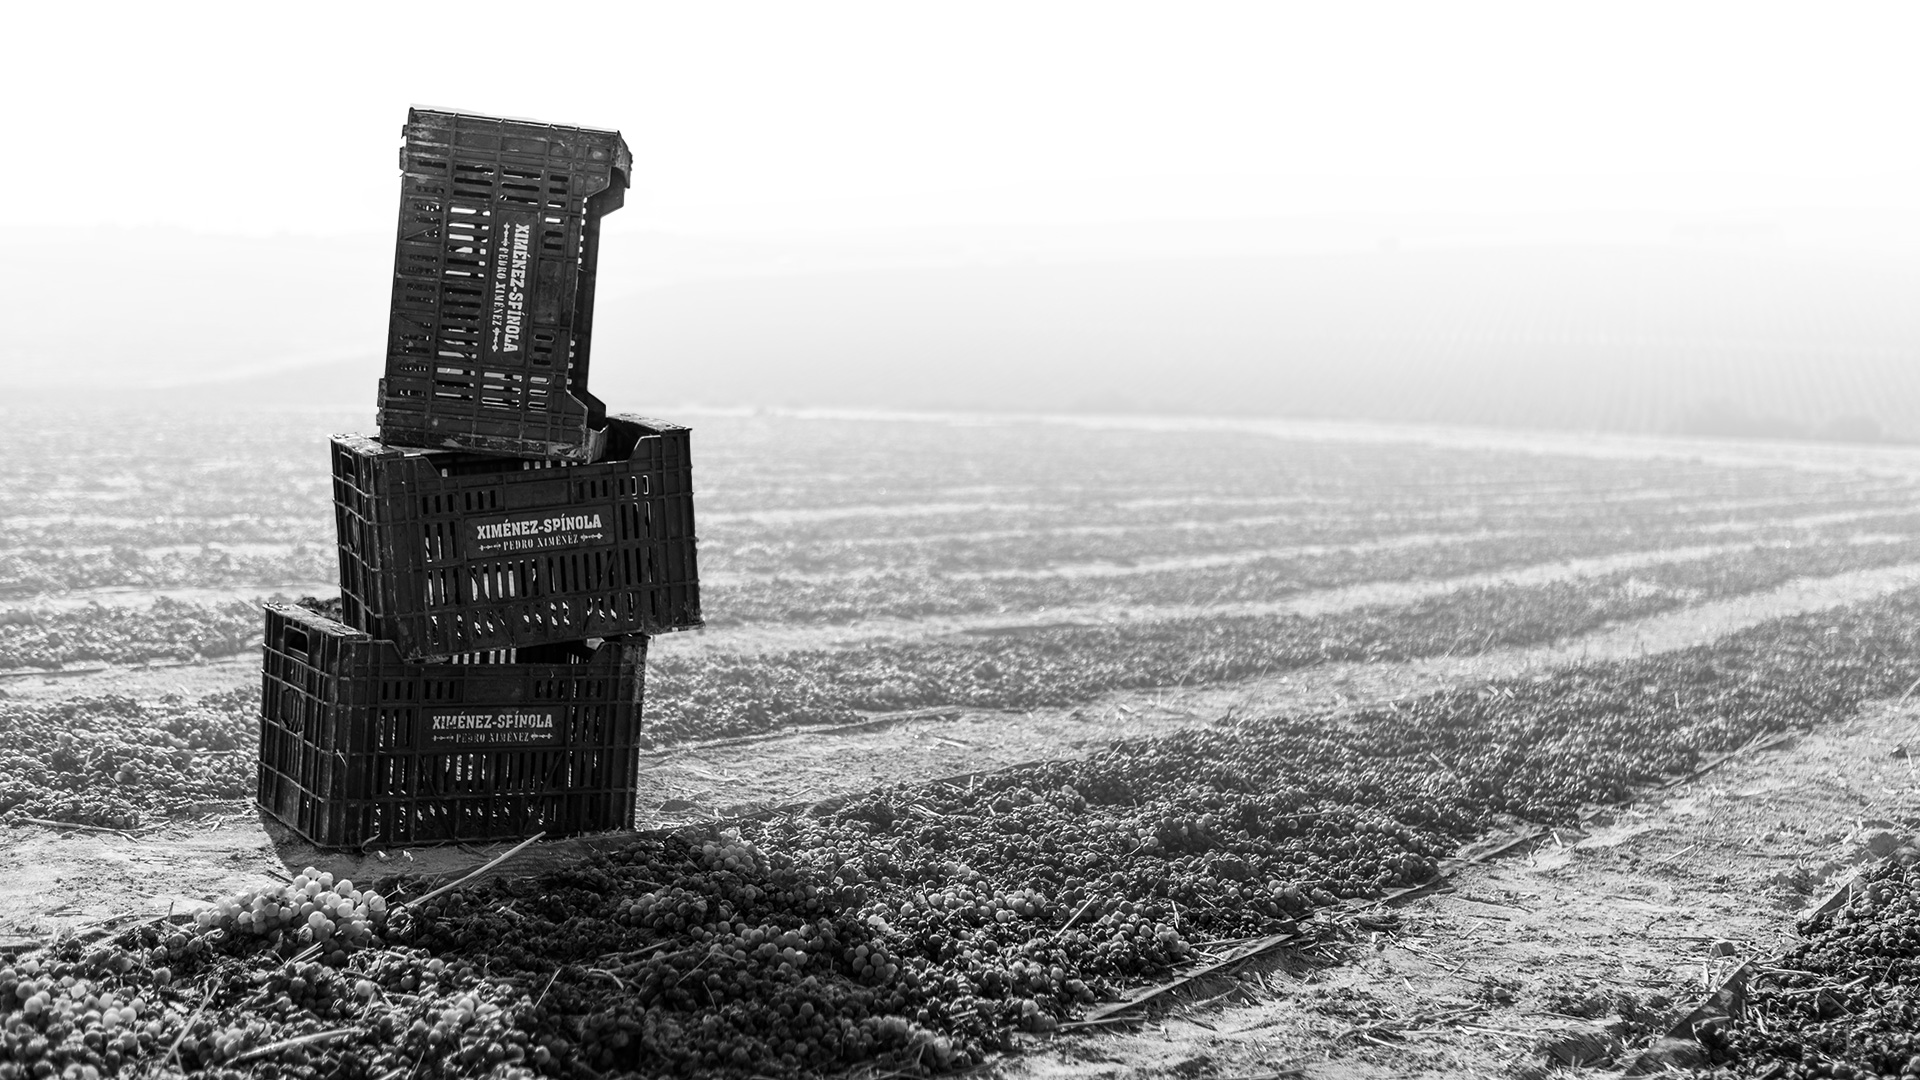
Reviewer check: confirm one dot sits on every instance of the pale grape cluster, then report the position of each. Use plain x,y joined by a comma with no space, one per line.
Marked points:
730,852
313,907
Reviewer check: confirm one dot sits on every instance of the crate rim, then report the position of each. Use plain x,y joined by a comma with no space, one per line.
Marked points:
419,107
406,450
317,620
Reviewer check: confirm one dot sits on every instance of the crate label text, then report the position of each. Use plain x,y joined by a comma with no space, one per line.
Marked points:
543,530
511,256
493,727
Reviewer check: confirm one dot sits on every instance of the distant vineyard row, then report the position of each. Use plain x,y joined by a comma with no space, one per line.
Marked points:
172,629
906,594
1009,572
713,695
980,537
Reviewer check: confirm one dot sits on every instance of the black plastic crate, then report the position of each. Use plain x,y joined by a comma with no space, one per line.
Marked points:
444,552
493,278
359,746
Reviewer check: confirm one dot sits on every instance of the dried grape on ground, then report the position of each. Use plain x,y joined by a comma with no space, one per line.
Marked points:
838,549
119,762
720,694
913,928
1842,1003
726,694
919,927
166,629
172,630
906,591
27,573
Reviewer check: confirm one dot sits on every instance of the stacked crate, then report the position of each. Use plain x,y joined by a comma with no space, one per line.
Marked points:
506,547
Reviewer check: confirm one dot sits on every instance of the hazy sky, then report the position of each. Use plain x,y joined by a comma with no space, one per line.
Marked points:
264,118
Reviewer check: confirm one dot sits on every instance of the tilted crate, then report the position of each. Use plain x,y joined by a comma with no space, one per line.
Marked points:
492,315
446,553
359,746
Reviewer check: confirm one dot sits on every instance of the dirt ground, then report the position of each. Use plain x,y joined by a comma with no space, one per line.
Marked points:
1533,948
1584,942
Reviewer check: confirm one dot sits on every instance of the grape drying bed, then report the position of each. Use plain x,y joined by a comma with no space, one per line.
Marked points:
930,926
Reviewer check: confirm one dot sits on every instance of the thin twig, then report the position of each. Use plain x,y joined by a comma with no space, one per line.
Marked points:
1908,694
1502,848
1364,1031
1674,855
77,825
1753,745
1121,1018
638,953
696,967
1492,1031
270,1049
1236,988
610,975
173,1052
1237,956
1076,916
510,853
